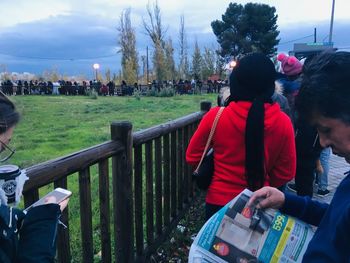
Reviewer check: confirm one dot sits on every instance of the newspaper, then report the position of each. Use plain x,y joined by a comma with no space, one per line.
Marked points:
242,234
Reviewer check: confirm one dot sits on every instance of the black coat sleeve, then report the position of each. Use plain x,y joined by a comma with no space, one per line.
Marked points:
37,242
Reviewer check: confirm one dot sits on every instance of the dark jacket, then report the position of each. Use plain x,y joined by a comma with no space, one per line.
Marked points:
331,241
31,237
307,142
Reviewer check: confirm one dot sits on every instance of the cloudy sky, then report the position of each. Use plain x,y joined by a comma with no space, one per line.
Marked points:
71,35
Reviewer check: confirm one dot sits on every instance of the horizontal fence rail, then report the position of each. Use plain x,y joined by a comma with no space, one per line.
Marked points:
142,188
47,172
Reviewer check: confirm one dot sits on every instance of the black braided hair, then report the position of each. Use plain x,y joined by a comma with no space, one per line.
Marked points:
253,80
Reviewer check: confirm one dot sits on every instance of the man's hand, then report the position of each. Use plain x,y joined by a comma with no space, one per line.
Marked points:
319,168
267,197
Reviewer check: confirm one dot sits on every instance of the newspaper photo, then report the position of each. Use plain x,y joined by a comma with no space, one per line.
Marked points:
242,234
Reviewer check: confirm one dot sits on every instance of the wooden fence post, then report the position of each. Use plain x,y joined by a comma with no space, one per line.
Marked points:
122,193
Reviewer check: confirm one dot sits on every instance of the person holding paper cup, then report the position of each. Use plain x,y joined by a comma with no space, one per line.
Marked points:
24,237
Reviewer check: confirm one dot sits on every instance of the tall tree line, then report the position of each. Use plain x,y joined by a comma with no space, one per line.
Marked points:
243,29
127,43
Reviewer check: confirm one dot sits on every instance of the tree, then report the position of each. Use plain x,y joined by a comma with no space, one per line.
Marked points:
156,32
246,29
144,68
115,78
5,75
184,64
208,63
127,43
197,62
52,75
159,62
108,75
219,64
169,60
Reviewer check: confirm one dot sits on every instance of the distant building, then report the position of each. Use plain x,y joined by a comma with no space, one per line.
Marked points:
303,50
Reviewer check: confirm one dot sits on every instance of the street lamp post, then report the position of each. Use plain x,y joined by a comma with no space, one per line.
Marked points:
96,66
331,25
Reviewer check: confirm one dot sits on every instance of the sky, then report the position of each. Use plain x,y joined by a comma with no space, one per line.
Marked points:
71,35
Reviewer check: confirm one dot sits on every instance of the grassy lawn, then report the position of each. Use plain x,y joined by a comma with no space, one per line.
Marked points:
52,126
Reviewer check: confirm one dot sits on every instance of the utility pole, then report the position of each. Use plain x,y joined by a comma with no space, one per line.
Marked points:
147,65
315,35
331,26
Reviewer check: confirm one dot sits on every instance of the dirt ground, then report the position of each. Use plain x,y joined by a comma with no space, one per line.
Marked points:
177,247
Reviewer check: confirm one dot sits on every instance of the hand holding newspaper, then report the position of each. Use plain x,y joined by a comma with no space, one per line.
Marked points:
242,234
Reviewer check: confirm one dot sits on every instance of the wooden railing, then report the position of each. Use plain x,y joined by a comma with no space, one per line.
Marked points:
151,188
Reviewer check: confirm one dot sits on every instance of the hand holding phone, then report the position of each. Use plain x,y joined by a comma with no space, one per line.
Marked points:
53,200
58,196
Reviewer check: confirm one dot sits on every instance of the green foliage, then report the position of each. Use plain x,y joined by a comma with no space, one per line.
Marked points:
52,126
208,63
92,94
129,72
155,30
169,60
151,92
108,75
219,64
127,43
51,75
159,62
137,94
248,28
196,62
166,92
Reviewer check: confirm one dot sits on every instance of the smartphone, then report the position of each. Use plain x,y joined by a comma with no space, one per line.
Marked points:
60,195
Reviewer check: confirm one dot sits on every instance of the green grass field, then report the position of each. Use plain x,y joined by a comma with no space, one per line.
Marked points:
53,126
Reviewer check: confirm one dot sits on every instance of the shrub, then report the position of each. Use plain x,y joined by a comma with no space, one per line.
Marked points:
151,92
137,94
92,94
166,92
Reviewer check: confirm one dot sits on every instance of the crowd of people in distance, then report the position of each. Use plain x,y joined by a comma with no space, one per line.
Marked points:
67,87
60,87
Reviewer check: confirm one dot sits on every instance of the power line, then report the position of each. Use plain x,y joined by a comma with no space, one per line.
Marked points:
290,41
57,58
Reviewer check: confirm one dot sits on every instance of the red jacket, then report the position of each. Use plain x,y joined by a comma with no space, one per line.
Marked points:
229,149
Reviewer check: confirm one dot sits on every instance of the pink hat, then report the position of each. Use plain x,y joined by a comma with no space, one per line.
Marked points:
291,66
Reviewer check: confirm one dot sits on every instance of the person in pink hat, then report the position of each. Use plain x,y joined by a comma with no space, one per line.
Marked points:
290,65
306,139
291,68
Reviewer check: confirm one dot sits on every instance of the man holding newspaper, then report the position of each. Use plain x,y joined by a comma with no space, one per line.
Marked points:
325,99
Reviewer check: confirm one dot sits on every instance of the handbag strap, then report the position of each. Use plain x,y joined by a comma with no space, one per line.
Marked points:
212,130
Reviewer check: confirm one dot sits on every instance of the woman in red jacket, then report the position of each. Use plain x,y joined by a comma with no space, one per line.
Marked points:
254,140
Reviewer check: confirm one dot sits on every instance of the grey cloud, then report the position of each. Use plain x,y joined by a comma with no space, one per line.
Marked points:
61,37
40,45
80,40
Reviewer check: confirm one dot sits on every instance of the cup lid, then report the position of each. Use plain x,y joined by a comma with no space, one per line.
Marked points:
8,169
